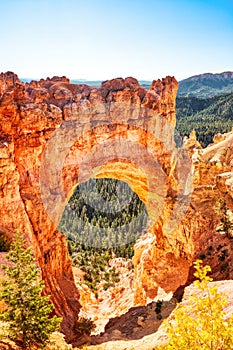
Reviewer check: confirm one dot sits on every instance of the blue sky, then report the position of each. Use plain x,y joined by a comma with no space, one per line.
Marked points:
104,39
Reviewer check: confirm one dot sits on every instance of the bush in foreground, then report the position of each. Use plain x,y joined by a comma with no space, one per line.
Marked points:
201,324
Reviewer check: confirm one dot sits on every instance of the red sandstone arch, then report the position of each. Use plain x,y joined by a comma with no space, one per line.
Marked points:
38,172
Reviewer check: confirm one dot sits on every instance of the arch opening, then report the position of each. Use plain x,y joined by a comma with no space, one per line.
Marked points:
102,221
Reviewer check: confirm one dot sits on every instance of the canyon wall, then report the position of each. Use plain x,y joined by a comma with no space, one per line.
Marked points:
198,235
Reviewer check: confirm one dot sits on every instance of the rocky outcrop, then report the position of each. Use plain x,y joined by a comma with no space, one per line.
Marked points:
54,134
212,182
196,235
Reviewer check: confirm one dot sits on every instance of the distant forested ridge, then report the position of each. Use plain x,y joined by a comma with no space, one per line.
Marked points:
206,85
207,116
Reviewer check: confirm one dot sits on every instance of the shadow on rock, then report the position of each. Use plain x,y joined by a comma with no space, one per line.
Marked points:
135,324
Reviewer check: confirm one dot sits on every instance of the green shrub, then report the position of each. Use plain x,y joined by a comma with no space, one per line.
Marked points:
224,254
158,309
84,326
5,242
226,225
107,285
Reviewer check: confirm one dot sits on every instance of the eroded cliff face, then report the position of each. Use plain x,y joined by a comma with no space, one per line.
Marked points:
212,182
196,235
52,136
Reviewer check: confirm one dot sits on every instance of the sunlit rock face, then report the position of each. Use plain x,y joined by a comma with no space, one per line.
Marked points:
54,135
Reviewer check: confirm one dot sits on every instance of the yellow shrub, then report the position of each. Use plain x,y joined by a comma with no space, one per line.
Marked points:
201,324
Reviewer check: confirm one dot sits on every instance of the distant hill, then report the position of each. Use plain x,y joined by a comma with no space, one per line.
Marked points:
95,83
207,116
206,85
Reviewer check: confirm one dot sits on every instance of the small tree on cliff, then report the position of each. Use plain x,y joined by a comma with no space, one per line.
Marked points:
226,224
27,311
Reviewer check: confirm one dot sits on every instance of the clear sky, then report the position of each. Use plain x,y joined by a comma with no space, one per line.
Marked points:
104,39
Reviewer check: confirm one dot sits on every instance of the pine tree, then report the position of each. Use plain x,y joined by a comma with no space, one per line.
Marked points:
27,311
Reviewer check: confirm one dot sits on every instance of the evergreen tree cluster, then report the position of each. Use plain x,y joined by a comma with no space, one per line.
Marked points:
103,219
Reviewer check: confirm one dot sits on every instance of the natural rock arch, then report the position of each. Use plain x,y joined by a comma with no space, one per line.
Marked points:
55,134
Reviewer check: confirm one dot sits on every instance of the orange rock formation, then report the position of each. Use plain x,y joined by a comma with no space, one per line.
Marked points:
54,135
34,187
